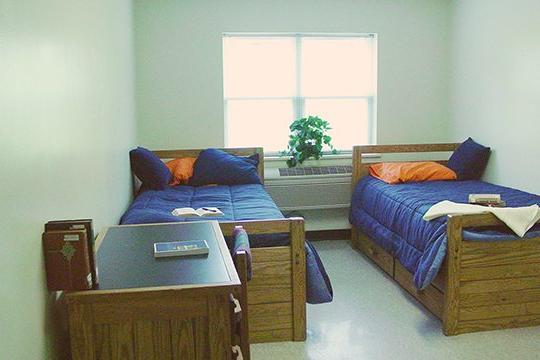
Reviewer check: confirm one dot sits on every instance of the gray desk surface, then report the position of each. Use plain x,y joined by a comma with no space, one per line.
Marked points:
125,258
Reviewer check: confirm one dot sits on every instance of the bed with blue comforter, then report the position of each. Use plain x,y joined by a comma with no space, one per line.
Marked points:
391,215
238,203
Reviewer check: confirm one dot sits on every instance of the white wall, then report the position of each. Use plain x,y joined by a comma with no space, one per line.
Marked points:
67,122
496,85
179,62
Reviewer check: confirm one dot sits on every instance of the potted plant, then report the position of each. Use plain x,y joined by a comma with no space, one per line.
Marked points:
307,138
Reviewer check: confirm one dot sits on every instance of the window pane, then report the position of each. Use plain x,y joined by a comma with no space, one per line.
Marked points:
337,67
259,67
348,119
259,123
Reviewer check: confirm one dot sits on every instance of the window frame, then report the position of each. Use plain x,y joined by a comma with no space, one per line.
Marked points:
299,100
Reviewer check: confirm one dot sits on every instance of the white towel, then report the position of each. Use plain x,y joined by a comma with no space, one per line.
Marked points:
519,219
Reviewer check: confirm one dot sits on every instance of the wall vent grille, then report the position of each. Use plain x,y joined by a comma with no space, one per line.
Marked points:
316,170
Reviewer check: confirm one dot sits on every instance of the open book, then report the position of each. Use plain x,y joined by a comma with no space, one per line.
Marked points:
204,211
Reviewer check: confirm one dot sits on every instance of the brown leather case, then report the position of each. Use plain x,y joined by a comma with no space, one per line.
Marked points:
79,224
66,260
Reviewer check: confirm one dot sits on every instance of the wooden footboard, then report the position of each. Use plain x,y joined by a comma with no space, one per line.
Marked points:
277,291
490,285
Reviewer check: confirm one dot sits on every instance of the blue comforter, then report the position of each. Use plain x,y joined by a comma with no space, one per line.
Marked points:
391,215
237,202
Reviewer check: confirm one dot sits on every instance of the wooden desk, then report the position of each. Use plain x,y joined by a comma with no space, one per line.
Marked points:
148,308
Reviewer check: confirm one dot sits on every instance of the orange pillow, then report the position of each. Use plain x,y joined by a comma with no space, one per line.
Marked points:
181,169
402,172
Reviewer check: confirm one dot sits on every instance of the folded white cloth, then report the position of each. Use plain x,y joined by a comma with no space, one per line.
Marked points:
519,219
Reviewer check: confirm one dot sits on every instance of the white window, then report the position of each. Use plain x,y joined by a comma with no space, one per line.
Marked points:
271,80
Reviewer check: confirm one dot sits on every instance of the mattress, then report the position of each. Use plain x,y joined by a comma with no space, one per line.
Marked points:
391,215
237,202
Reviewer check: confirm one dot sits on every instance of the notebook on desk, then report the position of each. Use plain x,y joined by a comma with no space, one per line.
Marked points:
181,248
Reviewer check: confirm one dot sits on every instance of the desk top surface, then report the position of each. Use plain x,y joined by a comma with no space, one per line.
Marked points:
125,258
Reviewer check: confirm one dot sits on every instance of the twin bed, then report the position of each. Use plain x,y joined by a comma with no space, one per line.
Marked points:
286,269
468,270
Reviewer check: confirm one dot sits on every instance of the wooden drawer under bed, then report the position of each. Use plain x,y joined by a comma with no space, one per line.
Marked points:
432,297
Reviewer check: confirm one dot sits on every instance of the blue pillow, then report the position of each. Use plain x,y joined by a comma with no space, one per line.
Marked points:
152,172
215,166
469,160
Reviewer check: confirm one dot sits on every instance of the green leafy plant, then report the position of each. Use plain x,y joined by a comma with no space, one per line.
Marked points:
307,138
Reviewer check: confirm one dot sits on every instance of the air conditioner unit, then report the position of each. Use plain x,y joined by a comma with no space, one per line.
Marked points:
321,194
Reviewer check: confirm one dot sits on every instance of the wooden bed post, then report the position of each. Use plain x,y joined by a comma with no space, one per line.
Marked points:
260,166
357,162
298,254
356,175
451,294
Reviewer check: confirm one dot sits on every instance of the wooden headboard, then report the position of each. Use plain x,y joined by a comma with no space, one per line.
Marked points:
175,154
361,168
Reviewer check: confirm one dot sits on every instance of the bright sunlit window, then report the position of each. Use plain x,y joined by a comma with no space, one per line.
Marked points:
272,79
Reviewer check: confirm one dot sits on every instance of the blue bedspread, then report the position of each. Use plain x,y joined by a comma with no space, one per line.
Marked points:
237,202
391,215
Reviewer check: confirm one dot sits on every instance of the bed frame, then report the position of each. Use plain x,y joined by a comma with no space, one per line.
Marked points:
277,291
481,285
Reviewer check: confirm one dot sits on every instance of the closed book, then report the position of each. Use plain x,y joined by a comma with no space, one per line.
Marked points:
483,198
67,262
79,224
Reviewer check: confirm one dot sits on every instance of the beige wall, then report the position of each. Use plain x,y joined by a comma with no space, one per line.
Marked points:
495,81
67,122
179,62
